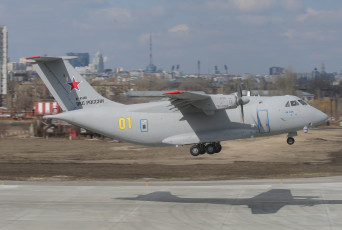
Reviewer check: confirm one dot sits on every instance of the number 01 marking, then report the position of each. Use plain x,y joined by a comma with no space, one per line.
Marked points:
122,123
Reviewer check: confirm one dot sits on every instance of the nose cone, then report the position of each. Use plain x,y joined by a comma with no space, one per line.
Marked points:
319,117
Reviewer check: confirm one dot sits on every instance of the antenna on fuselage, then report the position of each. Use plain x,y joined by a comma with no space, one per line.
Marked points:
248,90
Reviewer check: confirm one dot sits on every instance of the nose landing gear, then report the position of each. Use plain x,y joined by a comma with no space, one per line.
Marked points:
290,140
202,148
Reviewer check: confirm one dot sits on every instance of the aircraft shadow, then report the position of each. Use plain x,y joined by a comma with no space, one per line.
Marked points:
265,203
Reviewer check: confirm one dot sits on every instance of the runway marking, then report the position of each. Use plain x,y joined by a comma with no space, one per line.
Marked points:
3,186
227,217
123,216
326,208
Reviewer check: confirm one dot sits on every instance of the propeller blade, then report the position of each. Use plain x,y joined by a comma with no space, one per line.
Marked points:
242,114
240,102
239,91
239,95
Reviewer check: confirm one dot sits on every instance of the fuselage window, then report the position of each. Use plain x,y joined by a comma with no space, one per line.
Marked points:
302,102
294,103
287,104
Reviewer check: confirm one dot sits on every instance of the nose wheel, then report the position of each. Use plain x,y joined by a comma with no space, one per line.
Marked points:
290,140
202,148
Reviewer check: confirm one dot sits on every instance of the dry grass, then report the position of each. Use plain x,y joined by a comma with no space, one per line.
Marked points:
318,153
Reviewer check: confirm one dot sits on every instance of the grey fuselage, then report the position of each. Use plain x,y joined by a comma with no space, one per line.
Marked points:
156,123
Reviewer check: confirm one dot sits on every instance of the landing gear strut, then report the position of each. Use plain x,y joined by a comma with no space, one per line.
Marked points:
210,148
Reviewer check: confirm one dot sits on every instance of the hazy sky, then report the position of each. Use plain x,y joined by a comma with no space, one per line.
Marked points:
248,35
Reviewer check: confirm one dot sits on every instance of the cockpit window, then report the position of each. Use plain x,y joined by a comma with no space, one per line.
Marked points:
302,102
294,103
287,104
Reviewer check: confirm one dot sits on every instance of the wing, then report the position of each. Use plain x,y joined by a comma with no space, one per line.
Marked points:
181,100
206,103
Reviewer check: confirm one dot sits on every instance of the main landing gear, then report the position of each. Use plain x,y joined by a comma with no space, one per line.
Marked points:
210,148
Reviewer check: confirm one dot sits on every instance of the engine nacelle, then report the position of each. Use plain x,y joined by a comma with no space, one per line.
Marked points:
218,102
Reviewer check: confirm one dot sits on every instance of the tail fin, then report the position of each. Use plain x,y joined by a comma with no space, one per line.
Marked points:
66,85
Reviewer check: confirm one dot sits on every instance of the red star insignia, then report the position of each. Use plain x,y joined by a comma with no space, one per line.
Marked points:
74,84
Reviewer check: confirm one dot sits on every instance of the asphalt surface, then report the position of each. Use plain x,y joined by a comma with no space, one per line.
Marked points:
311,203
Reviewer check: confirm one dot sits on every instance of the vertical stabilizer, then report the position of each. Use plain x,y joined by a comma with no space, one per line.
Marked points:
66,85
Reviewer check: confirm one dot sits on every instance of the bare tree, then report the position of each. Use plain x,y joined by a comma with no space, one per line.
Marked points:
195,84
151,84
230,86
22,95
286,82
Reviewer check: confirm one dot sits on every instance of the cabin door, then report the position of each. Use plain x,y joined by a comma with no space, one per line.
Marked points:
263,121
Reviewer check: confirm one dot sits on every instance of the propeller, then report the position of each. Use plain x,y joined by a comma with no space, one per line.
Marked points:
240,101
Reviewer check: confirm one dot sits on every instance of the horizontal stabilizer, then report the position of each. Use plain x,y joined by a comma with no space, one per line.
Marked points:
47,59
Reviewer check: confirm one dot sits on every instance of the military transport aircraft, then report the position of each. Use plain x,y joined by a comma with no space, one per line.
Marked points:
187,118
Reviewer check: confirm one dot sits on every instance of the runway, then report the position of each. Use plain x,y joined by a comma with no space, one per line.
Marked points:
314,203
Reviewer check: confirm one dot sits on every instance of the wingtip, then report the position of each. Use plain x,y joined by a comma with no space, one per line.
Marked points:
174,92
33,57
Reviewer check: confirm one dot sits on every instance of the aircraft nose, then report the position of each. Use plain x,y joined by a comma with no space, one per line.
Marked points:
320,117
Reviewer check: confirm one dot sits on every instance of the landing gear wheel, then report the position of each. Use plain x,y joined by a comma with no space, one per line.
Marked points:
210,149
202,148
218,147
195,150
290,140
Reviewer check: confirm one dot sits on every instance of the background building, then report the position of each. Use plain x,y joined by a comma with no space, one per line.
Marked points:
276,70
98,65
81,60
3,64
